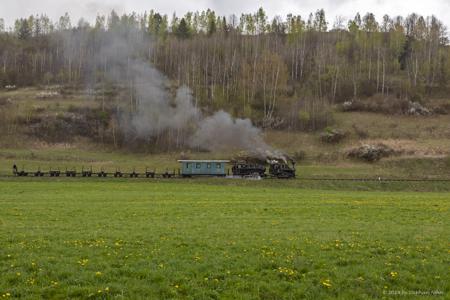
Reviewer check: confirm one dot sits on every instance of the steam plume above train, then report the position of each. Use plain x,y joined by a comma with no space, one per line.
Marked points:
157,110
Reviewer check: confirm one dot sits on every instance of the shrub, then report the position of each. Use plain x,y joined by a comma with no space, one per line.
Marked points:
370,153
388,105
332,136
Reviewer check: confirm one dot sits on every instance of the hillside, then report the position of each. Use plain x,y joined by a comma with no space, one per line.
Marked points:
45,127
365,98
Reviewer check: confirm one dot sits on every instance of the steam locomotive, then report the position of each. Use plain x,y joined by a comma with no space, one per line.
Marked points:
277,169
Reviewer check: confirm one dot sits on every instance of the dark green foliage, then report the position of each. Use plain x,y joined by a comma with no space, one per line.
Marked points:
23,29
405,53
183,30
212,28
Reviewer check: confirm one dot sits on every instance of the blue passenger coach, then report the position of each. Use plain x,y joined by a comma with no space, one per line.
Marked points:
191,168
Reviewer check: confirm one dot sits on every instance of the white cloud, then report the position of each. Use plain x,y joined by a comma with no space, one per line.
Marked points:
88,9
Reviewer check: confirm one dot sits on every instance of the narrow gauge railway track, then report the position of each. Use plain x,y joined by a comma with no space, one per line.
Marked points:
379,179
176,174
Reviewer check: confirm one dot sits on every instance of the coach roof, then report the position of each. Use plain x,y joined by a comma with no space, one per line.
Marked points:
203,161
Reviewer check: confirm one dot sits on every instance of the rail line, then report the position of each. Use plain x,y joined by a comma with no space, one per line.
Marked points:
379,179
176,175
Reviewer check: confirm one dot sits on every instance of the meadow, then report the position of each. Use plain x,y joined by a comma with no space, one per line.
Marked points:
206,239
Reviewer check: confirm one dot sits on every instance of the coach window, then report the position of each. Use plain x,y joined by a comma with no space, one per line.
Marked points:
218,166
188,165
208,165
198,165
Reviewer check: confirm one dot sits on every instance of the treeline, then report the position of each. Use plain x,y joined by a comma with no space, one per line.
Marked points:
280,72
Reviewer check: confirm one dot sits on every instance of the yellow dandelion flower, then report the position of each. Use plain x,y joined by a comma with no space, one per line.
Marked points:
393,274
327,283
83,262
98,273
106,289
18,274
177,286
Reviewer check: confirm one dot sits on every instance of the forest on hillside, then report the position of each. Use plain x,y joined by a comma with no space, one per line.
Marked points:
281,73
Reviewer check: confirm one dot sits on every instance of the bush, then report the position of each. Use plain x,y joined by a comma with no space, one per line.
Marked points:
388,105
371,153
332,136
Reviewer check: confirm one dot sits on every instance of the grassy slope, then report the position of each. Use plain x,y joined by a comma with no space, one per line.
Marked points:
425,141
203,240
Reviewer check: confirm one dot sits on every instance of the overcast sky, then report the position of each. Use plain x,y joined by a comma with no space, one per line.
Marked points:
88,9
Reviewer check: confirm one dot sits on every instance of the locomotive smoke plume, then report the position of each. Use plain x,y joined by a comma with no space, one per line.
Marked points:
157,110
221,132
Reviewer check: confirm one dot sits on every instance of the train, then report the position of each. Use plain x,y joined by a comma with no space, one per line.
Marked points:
279,169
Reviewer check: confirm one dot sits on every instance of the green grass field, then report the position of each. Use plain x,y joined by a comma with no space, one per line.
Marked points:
203,239
32,159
